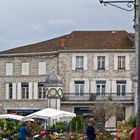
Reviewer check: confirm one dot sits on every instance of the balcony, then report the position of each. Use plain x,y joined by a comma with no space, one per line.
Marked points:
95,97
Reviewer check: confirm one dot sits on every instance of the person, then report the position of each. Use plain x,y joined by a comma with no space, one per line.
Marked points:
132,134
90,131
23,133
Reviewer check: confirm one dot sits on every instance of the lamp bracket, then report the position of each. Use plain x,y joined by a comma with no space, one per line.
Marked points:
130,5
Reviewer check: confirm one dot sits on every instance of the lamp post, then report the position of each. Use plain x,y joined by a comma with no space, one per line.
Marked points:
132,5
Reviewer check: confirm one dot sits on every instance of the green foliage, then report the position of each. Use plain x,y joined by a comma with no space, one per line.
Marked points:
60,126
124,127
76,124
132,121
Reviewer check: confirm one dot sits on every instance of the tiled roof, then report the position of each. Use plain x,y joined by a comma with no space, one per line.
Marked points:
80,40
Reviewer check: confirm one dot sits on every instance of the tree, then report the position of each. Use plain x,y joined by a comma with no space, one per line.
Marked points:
104,111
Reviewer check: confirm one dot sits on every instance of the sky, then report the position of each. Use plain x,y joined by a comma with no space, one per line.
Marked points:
24,22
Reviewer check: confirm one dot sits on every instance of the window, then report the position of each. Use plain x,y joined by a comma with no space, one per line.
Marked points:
79,62
9,69
41,68
121,62
101,62
41,91
25,68
10,91
100,84
120,114
79,88
121,88
25,90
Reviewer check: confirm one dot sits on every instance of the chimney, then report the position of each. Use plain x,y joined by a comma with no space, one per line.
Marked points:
62,42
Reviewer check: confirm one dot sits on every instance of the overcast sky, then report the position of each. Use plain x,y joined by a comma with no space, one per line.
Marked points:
25,22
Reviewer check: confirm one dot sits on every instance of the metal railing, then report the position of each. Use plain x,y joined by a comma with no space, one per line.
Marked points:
97,97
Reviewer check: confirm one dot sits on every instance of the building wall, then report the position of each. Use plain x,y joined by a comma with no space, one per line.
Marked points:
64,65
65,69
17,78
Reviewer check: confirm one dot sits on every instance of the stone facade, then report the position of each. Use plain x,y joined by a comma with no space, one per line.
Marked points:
63,64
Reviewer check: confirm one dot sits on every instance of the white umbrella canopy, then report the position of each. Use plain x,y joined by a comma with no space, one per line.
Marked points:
11,116
49,113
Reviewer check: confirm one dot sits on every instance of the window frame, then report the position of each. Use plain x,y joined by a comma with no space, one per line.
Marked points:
100,87
121,88
79,63
10,91
24,90
100,62
121,62
41,90
80,85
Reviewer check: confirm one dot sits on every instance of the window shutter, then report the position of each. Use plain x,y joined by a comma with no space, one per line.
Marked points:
14,90
7,91
106,62
18,91
35,90
114,89
95,62
115,62
85,62
9,69
73,62
86,86
72,87
107,86
129,86
25,68
93,86
41,68
30,91
127,62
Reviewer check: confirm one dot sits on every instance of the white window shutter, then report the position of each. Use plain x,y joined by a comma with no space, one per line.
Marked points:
41,68
85,62
73,62
35,90
86,88
7,91
114,88
95,62
9,69
25,68
127,62
115,62
30,91
18,91
107,86
93,86
129,86
106,62
14,90
71,86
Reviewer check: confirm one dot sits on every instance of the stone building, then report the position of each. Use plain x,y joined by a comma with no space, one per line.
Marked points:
95,67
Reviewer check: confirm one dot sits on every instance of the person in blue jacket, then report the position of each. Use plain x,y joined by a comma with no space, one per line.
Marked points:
91,130
23,133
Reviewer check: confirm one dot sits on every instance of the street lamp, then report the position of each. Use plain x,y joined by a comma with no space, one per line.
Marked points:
132,5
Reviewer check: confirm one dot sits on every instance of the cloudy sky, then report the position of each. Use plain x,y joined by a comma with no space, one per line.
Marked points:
25,22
